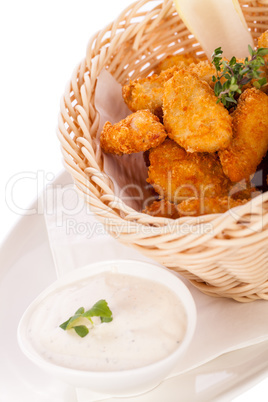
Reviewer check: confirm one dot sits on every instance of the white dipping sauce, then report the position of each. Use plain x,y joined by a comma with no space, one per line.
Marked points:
149,322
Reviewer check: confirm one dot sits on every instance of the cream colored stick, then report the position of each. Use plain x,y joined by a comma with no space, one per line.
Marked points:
216,23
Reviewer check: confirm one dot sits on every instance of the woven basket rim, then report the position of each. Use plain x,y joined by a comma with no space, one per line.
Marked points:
166,220
77,129
139,216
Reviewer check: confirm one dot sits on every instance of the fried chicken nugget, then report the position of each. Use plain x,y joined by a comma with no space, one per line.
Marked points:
176,174
147,93
204,70
137,132
206,206
250,131
192,116
173,60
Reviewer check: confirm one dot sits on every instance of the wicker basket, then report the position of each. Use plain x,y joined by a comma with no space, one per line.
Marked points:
229,260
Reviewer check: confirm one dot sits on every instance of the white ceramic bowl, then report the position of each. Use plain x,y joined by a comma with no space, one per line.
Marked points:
126,382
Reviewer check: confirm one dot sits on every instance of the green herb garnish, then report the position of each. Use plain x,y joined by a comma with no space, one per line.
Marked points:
100,309
237,75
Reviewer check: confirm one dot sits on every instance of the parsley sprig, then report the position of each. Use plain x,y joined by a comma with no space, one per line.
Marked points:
237,74
100,309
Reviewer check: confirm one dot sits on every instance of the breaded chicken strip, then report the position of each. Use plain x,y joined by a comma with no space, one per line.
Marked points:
163,209
176,174
206,206
147,93
192,116
250,136
204,70
137,132
173,60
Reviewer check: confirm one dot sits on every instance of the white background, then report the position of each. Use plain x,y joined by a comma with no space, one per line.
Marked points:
41,43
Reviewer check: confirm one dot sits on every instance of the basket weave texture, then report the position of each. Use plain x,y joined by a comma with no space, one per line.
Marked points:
228,260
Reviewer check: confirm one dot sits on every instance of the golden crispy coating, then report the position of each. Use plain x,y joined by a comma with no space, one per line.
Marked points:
250,141
163,209
206,206
173,60
204,70
147,93
192,116
137,132
176,174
